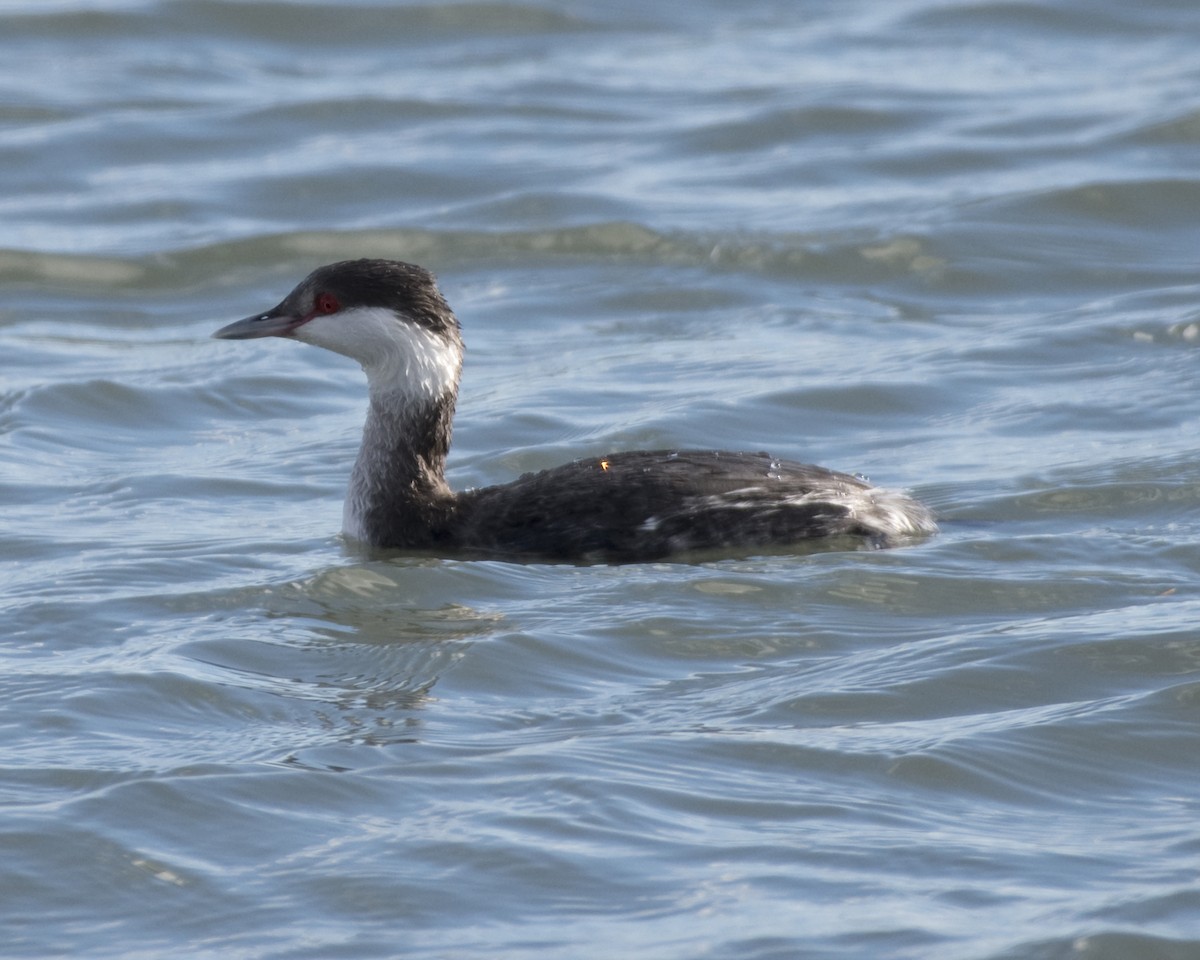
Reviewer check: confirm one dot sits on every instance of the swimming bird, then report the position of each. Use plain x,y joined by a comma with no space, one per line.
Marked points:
621,507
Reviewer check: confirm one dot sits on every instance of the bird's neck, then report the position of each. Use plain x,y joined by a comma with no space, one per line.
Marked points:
398,493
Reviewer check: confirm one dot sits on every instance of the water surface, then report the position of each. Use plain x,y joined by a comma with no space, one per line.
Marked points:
948,245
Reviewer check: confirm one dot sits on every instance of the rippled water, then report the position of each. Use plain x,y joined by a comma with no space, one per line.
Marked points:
951,245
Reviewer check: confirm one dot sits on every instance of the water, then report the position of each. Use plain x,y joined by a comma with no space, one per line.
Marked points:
949,245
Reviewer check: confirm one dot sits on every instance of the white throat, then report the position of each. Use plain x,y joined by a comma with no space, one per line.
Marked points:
412,375
402,359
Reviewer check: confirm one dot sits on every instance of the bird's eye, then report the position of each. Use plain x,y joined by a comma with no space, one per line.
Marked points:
327,303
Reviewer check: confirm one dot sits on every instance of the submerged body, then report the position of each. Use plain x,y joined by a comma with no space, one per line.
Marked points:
643,505
633,506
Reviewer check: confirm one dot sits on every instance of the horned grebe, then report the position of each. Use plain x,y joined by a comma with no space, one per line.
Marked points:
623,507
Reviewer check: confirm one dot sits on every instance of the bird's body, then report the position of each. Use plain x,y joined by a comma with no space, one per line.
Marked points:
631,506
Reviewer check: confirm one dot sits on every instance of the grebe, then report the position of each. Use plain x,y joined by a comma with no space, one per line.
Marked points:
623,507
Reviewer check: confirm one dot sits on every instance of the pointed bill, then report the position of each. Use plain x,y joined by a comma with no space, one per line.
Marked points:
273,323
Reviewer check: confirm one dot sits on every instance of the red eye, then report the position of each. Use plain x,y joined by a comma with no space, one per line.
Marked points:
326,303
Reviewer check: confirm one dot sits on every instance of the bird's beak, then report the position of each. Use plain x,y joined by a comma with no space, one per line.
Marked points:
273,323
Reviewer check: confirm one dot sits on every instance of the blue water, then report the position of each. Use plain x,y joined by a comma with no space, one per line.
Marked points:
950,245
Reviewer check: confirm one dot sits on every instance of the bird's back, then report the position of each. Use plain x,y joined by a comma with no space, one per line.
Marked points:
650,504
